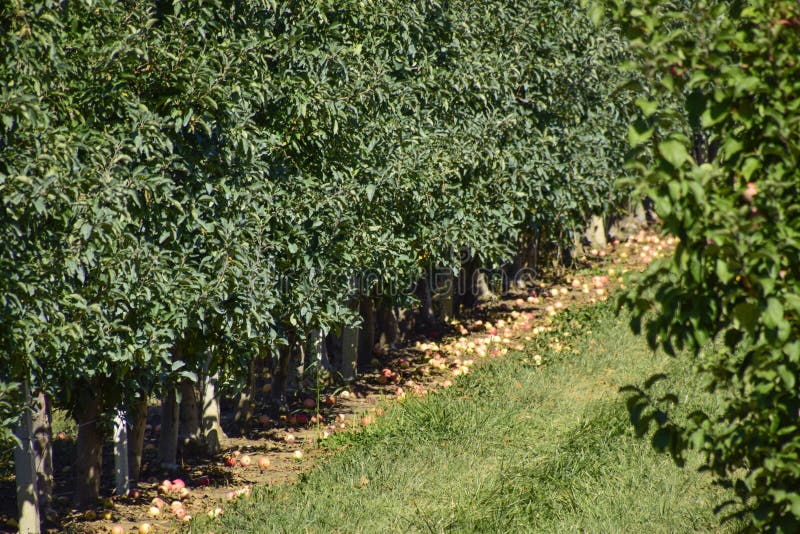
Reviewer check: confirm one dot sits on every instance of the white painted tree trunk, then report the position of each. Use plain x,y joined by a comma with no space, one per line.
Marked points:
43,446
25,463
596,232
121,470
213,435
321,352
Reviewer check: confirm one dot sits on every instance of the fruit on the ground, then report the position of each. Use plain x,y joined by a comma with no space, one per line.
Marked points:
309,403
90,515
245,460
117,529
108,515
263,462
165,487
134,493
145,528
289,438
230,461
298,455
158,503
177,484
154,511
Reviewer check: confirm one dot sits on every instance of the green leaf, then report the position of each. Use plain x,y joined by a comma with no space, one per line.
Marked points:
773,314
639,132
674,152
746,315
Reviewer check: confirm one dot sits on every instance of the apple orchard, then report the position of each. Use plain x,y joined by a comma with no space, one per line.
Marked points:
196,195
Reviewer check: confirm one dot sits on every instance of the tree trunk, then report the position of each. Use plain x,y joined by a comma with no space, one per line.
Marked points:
366,337
89,448
121,469
388,325
523,271
43,445
213,435
244,404
136,438
444,295
168,439
596,232
280,375
26,474
349,361
476,284
427,301
189,412
297,368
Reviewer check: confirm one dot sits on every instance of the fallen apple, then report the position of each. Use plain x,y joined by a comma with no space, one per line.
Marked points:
117,529
145,528
263,462
245,460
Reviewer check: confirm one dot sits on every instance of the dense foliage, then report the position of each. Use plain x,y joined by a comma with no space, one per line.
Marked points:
186,183
717,147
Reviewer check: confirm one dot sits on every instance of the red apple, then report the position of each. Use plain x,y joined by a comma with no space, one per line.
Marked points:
230,461
309,403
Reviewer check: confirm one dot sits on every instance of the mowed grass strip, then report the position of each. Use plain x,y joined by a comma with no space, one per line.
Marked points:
513,447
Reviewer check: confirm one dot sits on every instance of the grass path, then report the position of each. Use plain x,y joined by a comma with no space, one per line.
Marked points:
513,447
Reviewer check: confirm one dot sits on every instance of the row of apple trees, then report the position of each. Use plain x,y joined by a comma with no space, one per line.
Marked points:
717,148
189,185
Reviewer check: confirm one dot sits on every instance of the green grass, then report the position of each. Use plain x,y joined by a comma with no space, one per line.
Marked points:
510,448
